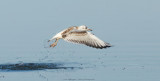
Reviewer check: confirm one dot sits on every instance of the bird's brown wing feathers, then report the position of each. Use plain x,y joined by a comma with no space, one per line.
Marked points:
86,38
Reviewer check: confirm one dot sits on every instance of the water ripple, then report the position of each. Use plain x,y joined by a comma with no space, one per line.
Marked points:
33,66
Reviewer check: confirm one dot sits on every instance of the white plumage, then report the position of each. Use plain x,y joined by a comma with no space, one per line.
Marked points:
80,35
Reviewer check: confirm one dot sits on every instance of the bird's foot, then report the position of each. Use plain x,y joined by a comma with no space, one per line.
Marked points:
53,45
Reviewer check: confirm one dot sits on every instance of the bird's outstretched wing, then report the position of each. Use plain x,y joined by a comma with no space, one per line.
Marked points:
86,38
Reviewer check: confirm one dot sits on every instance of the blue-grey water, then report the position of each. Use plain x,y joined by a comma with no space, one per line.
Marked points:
131,26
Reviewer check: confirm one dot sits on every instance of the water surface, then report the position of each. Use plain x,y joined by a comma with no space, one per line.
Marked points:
132,27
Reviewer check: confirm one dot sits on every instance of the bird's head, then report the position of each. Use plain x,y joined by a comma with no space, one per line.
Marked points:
83,27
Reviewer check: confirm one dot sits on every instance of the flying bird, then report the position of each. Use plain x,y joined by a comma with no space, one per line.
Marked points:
79,35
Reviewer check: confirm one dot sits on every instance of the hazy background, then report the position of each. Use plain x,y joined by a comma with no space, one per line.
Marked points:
132,26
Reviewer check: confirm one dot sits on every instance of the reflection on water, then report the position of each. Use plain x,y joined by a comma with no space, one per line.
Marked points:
33,66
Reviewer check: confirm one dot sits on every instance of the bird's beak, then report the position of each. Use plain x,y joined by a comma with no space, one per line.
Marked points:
89,29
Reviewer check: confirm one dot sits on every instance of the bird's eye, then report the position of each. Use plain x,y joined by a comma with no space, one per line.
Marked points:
86,27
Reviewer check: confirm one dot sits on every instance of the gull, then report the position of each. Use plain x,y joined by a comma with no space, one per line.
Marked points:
79,35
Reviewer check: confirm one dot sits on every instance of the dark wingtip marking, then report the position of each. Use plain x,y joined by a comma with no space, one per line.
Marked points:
100,47
103,47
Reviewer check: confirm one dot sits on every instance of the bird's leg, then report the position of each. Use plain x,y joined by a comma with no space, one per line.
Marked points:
54,44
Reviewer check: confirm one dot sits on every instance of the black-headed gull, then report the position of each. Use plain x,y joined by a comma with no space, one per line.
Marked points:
80,35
